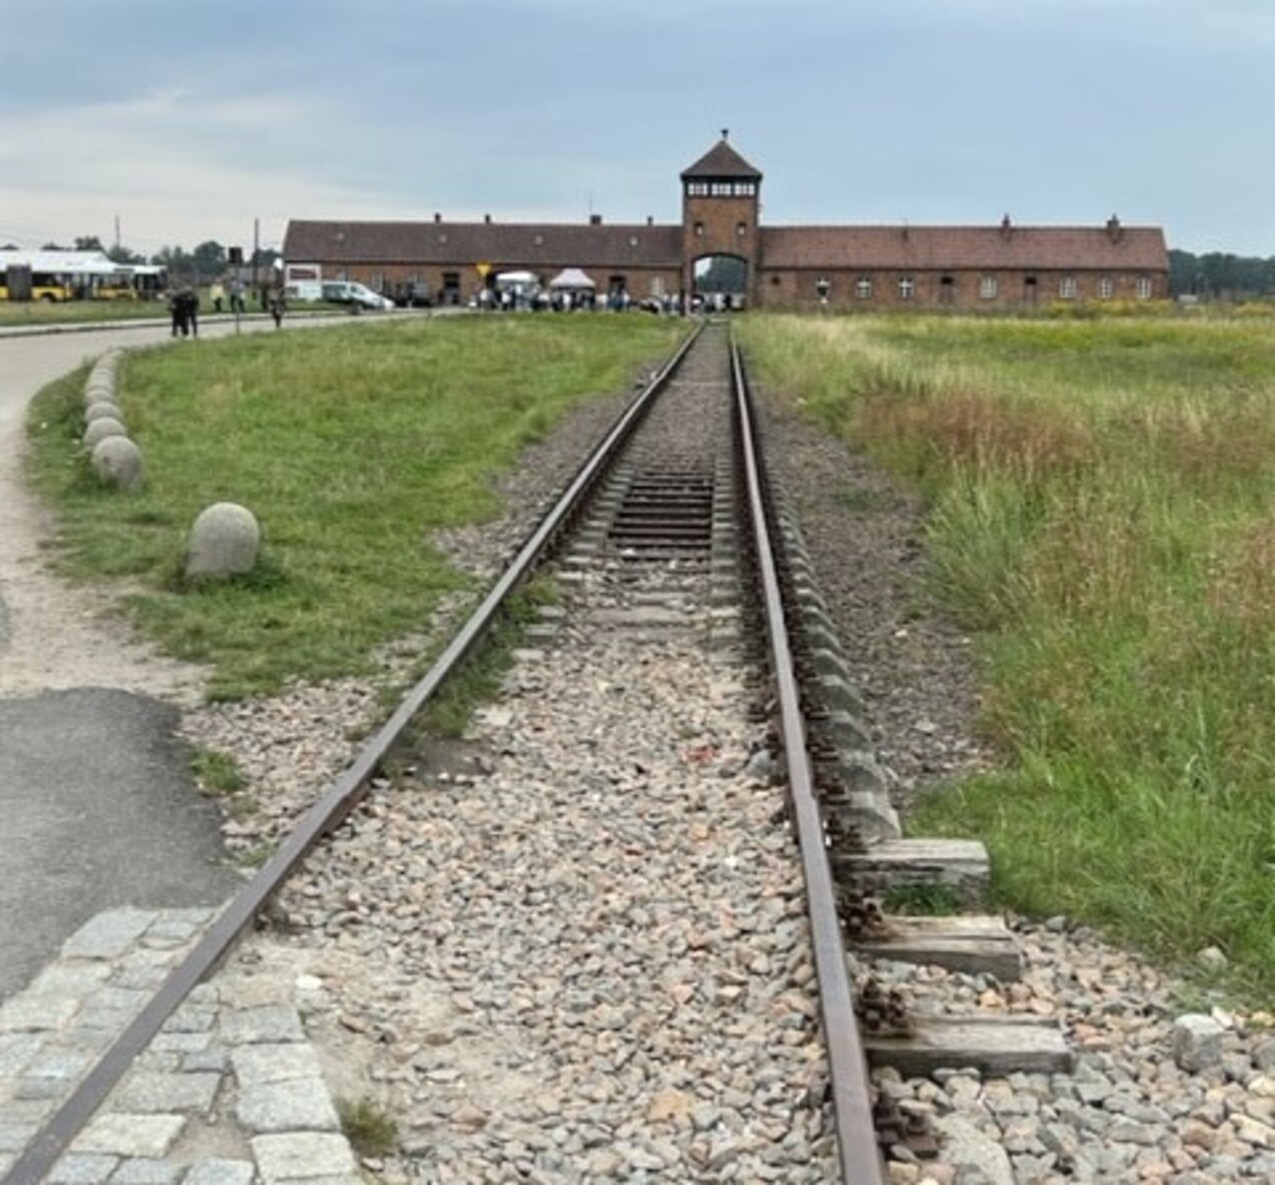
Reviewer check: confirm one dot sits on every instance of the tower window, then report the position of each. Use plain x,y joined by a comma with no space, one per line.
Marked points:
699,228
741,229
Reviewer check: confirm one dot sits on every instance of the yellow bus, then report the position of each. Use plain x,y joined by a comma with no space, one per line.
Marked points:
19,281
76,275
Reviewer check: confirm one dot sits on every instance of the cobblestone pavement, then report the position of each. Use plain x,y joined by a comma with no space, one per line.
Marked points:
229,1092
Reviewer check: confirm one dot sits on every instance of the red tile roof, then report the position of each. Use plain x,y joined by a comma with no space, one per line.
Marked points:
981,247
721,161
502,244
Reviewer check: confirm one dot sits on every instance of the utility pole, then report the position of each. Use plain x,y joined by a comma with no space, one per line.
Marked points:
256,246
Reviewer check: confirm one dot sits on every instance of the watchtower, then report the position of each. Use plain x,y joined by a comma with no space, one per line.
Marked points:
721,200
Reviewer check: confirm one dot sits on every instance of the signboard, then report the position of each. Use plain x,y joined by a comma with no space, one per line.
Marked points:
482,269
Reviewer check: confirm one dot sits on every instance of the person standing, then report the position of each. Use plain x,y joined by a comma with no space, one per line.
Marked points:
192,311
278,306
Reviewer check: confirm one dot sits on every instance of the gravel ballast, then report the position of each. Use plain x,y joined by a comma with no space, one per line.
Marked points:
522,1065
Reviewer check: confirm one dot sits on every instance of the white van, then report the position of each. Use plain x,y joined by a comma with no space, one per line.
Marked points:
355,294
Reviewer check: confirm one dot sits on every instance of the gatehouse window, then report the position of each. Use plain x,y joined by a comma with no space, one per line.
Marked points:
863,288
1142,287
1105,288
1067,287
741,229
699,228
907,288
697,188
988,288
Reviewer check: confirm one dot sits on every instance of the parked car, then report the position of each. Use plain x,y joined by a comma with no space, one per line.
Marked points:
413,296
354,294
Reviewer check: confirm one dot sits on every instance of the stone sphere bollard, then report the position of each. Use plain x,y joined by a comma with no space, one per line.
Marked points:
101,410
99,392
117,461
223,541
100,429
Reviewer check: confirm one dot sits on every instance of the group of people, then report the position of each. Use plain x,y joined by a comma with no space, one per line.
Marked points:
183,306
217,294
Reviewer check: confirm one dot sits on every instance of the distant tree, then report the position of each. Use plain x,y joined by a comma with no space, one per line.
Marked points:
1218,275
210,260
88,243
124,255
55,247
724,273
179,263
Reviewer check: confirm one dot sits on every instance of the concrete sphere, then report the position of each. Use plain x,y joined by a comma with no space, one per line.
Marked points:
102,410
117,461
96,392
223,541
99,430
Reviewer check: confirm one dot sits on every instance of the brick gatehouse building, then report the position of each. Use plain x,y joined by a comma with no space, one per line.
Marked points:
1002,267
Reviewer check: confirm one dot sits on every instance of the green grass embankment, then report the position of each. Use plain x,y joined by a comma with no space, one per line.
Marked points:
1101,499
351,446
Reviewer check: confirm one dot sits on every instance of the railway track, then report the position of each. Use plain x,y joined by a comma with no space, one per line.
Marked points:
663,553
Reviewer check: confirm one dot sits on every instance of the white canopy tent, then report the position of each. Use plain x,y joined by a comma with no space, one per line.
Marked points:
572,279
516,280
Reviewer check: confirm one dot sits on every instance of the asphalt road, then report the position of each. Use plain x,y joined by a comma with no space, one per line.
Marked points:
97,804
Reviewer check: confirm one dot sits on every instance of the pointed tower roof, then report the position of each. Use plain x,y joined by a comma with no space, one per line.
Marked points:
721,161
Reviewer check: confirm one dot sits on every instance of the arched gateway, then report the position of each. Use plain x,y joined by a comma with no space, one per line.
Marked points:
721,197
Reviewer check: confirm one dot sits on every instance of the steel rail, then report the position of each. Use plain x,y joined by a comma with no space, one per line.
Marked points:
53,1138
859,1156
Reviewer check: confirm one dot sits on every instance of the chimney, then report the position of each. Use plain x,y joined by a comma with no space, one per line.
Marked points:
487,218
650,221
437,216
1115,232
595,219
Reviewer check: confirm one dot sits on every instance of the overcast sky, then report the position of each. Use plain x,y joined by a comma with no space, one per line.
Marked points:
187,120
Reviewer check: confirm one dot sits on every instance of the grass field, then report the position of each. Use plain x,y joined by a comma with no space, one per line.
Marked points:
1101,501
351,447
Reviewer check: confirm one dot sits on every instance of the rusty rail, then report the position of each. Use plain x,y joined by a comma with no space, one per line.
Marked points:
860,1159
